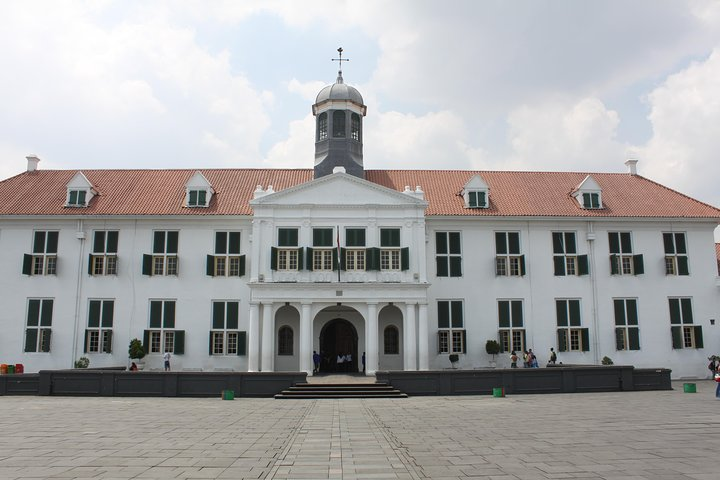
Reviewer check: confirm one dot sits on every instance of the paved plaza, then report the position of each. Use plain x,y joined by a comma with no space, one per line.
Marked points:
637,435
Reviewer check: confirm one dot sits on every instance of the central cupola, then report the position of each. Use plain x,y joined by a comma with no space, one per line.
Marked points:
339,112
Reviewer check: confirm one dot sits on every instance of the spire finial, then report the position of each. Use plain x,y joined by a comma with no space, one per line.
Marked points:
340,60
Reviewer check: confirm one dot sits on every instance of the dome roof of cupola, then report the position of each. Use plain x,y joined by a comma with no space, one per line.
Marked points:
339,91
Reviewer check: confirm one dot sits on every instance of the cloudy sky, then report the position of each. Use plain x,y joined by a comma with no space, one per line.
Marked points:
526,85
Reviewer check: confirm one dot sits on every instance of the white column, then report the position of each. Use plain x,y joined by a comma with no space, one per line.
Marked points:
268,338
409,345
253,338
423,347
306,361
371,340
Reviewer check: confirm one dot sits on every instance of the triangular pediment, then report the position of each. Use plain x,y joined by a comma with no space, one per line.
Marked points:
588,185
79,180
476,182
198,180
340,189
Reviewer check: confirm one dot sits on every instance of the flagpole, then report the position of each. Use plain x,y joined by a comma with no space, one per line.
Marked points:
339,262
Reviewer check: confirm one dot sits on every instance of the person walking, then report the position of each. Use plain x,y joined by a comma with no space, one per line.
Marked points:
513,359
316,362
553,356
166,357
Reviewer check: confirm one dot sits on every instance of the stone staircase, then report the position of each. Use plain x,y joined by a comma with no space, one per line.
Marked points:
340,390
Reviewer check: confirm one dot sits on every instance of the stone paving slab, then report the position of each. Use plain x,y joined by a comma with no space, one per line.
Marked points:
604,436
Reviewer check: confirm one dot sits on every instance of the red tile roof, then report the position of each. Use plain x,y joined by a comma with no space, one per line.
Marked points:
161,192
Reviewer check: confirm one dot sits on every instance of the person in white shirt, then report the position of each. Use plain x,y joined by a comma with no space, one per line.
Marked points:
166,357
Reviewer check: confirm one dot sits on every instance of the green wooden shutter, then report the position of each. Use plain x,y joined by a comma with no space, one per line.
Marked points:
94,314
698,336
112,242
561,313
559,263
685,305
202,197
221,243
373,258
614,240
342,258
634,335
309,259
231,322
234,243
441,243
454,242
522,265
513,243
210,265
147,265
242,343
585,333
210,347
108,313
301,259
155,314
405,258
52,242
668,243
482,201
517,313
455,266
172,242
574,312
674,304
562,339
27,264
683,265
159,241
31,339
90,264
242,265
107,341
558,243
85,345
179,346
504,314
614,267
619,309
441,266
146,341
218,313
169,314
46,334
677,337
46,313
638,265
619,338
335,259
583,265
273,258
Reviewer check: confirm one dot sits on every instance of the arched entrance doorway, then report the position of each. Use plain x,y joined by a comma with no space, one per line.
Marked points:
337,337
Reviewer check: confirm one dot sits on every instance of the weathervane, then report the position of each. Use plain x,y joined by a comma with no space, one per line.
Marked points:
340,60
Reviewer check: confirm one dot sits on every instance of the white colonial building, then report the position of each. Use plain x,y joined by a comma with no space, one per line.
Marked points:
254,269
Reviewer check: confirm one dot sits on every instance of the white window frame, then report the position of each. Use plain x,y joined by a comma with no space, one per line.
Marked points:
508,264
451,339
97,336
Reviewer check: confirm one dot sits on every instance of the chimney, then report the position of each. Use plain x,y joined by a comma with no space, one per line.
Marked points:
631,163
32,162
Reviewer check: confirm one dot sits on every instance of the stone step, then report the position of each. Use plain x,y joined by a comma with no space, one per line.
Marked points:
342,390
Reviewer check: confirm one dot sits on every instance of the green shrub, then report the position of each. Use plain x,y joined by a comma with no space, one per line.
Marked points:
135,349
606,361
82,362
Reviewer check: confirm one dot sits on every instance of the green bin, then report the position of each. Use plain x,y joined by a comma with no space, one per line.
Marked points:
228,395
10,369
689,388
498,392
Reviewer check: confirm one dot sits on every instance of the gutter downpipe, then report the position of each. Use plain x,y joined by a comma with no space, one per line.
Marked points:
593,277
80,235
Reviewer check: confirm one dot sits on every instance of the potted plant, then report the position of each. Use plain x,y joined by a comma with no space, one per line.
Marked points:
492,347
82,362
453,357
136,352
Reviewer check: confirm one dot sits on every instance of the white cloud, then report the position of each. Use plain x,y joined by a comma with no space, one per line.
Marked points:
564,135
307,90
685,116
298,150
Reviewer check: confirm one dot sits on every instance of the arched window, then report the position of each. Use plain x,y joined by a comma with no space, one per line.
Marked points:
285,341
391,339
338,123
322,126
355,126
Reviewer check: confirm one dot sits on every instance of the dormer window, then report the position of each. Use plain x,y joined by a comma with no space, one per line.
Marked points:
77,198
197,198
588,194
79,191
476,193
591,200
198,191
477,199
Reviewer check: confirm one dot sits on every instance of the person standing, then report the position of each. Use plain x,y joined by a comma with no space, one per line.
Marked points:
316,362
553,356
340,360
166,357
513,359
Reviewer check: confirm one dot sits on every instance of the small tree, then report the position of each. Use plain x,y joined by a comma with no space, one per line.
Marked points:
136,349
492,347
606,361
82,362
